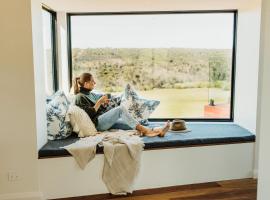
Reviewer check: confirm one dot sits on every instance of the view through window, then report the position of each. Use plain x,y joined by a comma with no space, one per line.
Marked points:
182,59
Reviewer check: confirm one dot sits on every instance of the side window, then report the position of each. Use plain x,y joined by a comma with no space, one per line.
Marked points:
49,44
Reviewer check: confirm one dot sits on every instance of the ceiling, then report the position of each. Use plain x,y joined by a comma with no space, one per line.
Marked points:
146,5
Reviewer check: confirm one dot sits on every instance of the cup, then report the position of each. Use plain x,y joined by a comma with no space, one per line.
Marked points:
108,95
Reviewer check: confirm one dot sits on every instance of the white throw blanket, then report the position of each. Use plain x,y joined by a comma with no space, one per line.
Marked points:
84,150
122,155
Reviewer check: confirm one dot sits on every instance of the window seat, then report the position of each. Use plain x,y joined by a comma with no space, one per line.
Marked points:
201,134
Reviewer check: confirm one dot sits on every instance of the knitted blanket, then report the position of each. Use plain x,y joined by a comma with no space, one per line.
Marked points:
122,155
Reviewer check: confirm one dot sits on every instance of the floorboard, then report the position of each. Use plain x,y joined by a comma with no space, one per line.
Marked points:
243,189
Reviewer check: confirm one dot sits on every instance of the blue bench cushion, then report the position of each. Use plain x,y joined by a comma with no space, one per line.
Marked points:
201,134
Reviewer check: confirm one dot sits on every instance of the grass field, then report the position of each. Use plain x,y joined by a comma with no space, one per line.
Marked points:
184,103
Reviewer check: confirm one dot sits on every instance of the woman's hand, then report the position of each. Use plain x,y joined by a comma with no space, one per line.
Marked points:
106,100
102,101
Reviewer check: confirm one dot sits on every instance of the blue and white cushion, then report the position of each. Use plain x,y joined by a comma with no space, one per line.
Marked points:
57,127
140,108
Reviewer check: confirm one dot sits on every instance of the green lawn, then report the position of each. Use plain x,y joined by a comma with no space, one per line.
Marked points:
184,103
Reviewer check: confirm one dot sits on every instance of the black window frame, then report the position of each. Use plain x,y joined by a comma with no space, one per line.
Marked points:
54,46
234,45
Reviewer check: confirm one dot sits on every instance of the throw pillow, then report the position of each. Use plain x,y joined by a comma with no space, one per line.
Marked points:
57,127
80,121
48,99
140,108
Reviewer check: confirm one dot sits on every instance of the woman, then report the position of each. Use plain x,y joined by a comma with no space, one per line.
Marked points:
105,120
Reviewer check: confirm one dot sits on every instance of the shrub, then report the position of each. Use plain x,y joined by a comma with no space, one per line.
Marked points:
167,86
203,85
227,86
218,84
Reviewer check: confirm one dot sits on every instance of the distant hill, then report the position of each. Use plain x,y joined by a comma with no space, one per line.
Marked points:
153,68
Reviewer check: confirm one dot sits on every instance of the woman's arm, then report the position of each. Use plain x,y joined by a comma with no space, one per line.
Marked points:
86,105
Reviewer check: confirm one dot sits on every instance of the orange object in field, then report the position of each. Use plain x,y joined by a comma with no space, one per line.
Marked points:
217,111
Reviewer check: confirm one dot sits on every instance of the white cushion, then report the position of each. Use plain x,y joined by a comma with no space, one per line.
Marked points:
80,122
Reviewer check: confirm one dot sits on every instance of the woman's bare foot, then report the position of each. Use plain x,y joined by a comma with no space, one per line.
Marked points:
146,131
162,131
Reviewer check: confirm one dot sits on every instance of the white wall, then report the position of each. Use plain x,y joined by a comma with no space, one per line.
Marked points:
18,144
129,5
159,168
247,69
263,105
246,83
39,71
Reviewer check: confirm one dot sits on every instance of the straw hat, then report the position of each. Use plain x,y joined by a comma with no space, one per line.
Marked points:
178,125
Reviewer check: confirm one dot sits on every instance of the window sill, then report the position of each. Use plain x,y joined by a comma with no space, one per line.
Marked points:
202,134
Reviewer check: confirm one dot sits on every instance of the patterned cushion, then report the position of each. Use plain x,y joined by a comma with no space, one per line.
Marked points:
80,121
140,108
48,99
57,127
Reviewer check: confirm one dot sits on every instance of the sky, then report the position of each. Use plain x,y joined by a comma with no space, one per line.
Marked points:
211,31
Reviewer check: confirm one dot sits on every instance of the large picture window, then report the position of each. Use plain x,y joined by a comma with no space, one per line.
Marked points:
49,44
184,59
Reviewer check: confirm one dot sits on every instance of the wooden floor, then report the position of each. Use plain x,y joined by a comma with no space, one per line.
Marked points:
244,189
